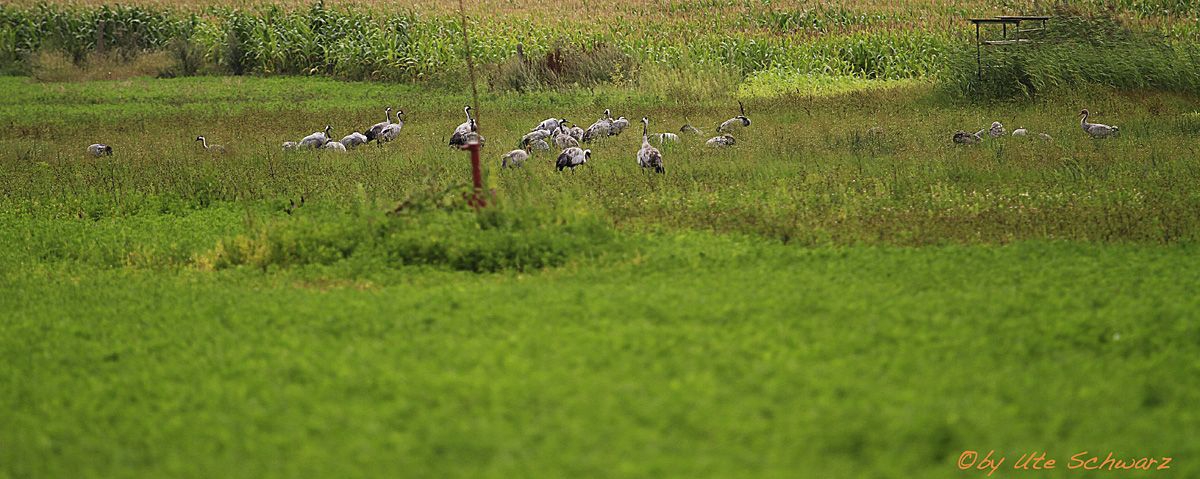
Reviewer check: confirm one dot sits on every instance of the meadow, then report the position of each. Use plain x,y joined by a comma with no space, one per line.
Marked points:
819,301
844,293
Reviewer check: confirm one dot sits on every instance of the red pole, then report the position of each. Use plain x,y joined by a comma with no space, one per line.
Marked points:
477,200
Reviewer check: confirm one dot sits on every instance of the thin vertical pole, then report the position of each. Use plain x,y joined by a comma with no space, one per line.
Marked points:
462,12
100,36
476,201
978,54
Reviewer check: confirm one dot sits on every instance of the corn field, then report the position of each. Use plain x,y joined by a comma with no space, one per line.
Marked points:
425,44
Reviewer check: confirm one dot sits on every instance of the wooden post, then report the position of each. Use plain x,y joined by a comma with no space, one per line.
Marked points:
100,36
477,200
978,54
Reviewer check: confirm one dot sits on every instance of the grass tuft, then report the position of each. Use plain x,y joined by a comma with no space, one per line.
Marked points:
55,66
494,239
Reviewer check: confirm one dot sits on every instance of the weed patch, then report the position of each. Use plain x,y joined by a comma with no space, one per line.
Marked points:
490,240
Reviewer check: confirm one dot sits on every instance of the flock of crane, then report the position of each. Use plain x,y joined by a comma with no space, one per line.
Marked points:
568,138
380,133
1095,130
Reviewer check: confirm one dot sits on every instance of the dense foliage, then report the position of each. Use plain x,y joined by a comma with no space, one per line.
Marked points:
1076,49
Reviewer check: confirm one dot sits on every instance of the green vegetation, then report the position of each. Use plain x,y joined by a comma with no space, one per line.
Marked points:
350,43
697,356
867,167
1078,50
1088,43
842,294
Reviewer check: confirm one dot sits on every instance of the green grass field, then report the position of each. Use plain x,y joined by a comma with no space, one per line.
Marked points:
692,356
843,294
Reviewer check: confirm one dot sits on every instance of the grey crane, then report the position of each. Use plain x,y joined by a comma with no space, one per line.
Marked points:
515,158
1024,132
733,124
572,157
354,140
618,126
318,139
550,124
599,129
649,156
374,130
466,132
390,131
536,135
721,141
214,149
575,132
334,146
964,138
99,149
564,140
664,138
1096,130
997,130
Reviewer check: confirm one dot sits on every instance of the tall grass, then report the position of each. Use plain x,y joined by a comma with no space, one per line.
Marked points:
563,66
865,167
1076,49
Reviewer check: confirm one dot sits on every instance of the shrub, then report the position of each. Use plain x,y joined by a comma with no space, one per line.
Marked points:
187,56
563,66
493,239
